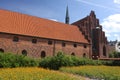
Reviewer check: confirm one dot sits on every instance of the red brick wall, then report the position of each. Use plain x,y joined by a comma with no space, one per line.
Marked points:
69,49
35,49
89,27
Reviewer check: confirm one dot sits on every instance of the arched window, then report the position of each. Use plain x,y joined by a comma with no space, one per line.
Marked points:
24,52
104,51
15,39
1,50
84,55
73,54
43,54
85,46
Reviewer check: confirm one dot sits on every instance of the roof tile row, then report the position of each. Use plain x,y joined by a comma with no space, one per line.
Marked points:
17,23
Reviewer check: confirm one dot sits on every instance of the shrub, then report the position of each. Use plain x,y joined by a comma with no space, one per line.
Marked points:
61,59
116,63
114,54
12,60
107,63
56,62
111,63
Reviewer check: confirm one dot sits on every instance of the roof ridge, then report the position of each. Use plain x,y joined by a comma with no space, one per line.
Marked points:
33,16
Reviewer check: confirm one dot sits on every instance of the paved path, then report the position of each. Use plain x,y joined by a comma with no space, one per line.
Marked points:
81,77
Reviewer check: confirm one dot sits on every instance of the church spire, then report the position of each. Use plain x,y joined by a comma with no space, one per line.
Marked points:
67,16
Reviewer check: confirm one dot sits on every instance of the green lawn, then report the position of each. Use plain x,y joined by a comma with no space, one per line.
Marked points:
97,72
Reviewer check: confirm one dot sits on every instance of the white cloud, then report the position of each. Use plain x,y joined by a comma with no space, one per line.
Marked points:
54,20
116,1
117,37
108,35
111,25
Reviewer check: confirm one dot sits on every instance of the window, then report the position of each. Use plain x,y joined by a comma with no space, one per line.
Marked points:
73,54
49,42
34,40
85,46
1,50
75,45
43,54
24,52
104,51
63,44
84,55
15,39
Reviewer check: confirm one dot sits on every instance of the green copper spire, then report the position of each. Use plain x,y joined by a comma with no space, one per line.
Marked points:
67,16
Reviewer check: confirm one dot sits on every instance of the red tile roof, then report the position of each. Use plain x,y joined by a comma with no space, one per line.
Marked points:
17,23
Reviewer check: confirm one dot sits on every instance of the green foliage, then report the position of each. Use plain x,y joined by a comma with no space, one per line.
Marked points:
114,54
61,59
111,63
12,60
56,62
108,63
116,63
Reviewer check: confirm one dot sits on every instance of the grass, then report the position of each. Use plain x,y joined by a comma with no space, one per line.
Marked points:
96,72
35,74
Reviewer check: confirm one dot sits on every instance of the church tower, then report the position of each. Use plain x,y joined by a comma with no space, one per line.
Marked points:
67,16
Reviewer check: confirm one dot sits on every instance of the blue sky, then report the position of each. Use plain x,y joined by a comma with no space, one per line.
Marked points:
108,11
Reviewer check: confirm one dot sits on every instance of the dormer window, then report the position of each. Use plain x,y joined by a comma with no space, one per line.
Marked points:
15,39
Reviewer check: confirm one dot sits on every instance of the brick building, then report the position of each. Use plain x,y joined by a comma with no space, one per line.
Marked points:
111,46
38,37
92,30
